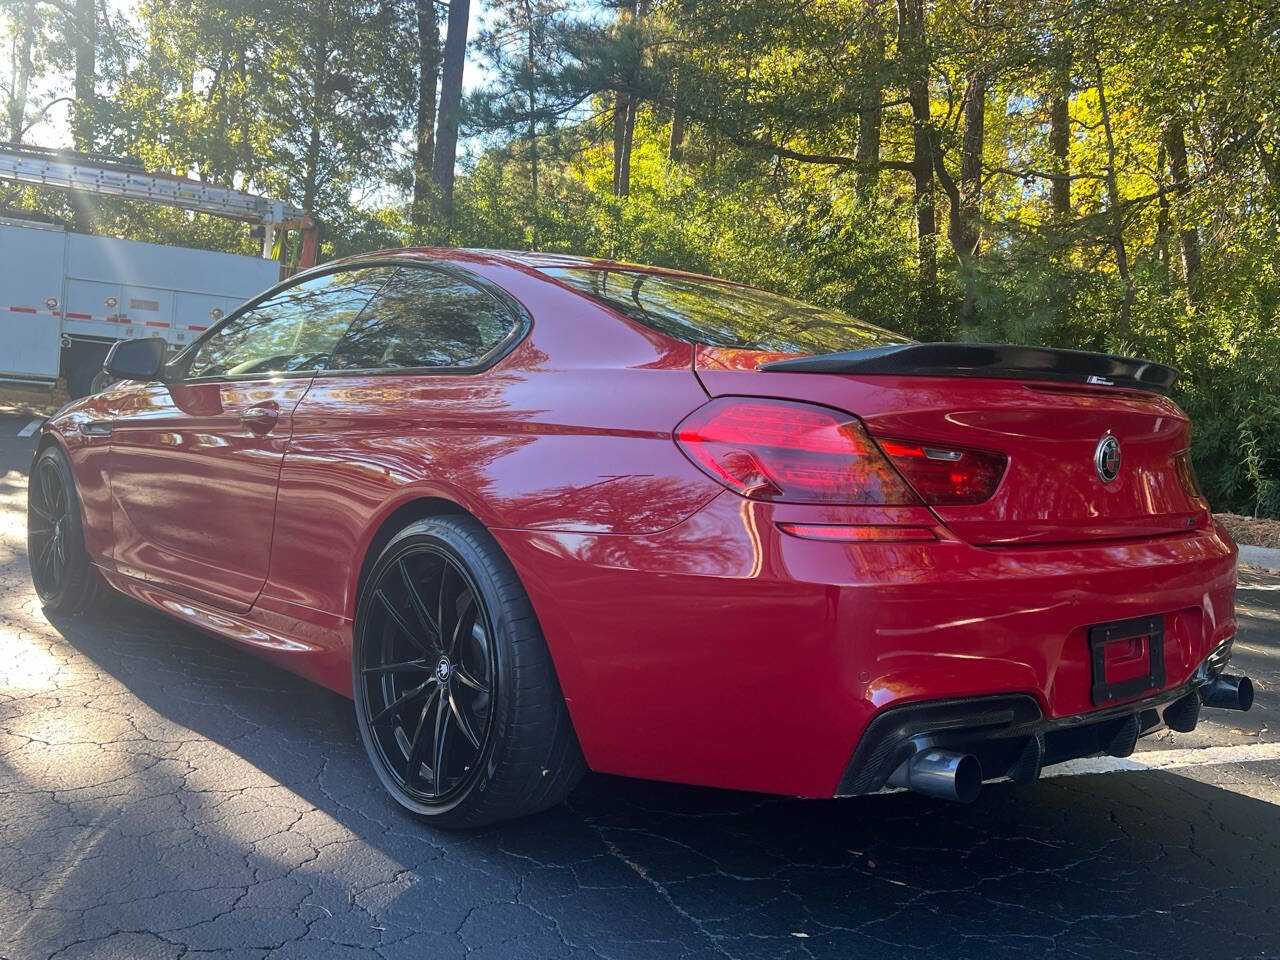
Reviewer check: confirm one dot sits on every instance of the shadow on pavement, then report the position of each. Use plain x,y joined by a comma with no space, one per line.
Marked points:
239,815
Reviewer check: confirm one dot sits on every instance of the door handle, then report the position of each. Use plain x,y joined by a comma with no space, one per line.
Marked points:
260,419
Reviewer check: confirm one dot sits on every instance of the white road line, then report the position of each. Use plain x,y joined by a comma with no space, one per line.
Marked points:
31,427
1167,760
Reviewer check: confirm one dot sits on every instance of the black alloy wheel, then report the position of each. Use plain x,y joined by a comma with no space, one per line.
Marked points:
428,673
61,572
48,522
457,699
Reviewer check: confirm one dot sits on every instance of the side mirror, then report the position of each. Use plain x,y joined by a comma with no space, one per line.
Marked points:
141,359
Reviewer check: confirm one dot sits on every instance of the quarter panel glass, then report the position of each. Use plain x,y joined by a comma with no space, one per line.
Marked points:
424,318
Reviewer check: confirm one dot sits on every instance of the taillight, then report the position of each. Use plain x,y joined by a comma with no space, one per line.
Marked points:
786,451
1187,474
857,533
945,475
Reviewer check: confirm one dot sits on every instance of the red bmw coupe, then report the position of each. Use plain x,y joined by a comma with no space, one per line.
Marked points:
537,513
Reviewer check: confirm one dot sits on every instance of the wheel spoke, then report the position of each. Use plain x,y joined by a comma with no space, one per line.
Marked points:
463,723
419,607
42,558
440,742
49,486
395,705
440,601
402,665
40,511
418,745
466,615
402,623
467,680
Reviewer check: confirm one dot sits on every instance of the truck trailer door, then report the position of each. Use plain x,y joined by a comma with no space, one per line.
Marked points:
32,256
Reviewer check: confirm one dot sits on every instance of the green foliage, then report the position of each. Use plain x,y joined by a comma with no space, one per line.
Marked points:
798,165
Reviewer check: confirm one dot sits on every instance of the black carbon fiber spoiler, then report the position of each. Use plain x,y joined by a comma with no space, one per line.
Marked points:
1001,361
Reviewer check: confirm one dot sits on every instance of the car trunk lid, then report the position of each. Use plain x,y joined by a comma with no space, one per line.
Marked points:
1043,414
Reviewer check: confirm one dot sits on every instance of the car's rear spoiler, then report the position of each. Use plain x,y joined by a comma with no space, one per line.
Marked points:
988,360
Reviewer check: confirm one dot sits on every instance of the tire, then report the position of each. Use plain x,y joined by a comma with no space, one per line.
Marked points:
447,650
61,572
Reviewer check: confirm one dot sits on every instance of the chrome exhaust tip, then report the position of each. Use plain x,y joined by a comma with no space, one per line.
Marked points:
941,773
1228,693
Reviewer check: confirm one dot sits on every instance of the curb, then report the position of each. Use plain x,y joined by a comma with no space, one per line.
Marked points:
1266,559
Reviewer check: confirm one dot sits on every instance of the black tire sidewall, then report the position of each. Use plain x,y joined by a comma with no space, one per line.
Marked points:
452,536
70,592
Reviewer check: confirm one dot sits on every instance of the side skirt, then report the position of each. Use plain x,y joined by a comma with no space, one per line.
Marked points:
318,654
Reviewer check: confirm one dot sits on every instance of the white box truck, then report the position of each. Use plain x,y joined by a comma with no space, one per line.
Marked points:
66,297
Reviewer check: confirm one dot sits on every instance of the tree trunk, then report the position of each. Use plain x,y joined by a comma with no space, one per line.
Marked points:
317,108
911,49
1059,147
22,70
970,194
311,177
1115,206
532,96
624,116
971,160
85,46
1060,165
628,139
1163,220
1060,135
675,146
623,129
1175,145
455,55
870,113
425,122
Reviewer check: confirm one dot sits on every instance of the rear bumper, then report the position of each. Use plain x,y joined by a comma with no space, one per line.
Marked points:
725,653
1010,735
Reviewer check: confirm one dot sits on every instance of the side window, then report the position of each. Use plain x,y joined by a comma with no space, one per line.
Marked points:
296,329
424,318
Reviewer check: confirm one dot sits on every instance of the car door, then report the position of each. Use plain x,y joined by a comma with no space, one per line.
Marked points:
402,389
195,460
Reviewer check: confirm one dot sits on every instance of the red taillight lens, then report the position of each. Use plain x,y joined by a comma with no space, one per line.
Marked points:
1187,474
946,476
857,534
793,452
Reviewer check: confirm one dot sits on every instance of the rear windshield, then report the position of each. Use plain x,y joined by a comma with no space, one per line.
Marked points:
723,314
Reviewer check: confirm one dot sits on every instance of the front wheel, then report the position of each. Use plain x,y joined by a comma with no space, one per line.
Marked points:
456,696
61,571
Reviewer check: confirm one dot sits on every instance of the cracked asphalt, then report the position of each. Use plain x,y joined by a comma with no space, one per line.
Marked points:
165,795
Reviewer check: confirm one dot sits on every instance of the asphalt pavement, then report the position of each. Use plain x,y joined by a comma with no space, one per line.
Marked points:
165,795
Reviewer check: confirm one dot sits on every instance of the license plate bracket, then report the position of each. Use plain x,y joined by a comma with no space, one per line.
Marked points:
1104,635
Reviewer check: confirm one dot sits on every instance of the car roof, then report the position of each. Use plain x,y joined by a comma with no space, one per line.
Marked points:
520,259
